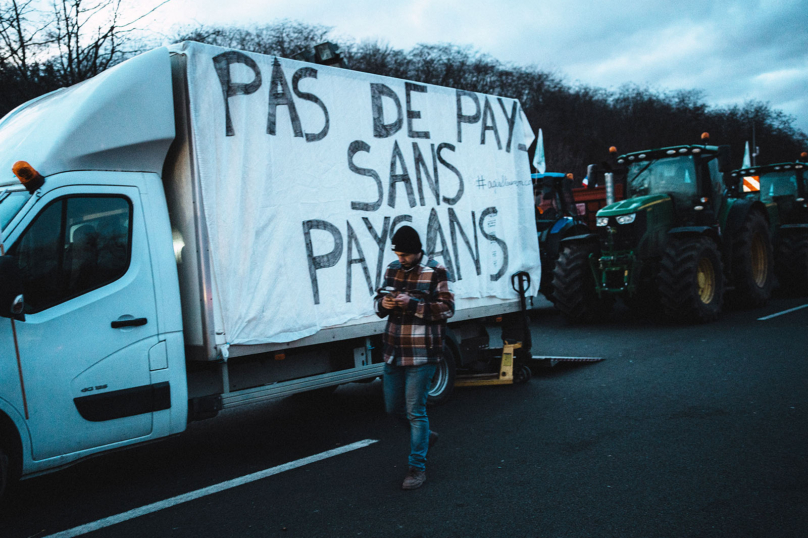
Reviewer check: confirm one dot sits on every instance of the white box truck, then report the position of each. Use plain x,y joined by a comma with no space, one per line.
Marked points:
200,228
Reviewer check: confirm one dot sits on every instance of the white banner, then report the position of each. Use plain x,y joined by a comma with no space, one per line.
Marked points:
306,171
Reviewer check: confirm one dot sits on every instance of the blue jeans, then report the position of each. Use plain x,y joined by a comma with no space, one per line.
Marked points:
405,392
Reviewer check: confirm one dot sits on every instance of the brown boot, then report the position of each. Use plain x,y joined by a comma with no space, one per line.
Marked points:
415,479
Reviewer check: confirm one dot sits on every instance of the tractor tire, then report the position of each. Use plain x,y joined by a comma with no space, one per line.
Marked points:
546,286
574,291
442,385
752,262
691,282
791,265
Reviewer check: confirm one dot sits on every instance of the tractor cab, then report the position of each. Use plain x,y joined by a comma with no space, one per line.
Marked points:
552,192
690,176
782,187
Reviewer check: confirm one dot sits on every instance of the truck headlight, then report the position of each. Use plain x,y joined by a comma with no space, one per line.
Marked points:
602,221
626,219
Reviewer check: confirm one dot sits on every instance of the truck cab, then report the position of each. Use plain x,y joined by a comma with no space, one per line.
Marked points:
91,343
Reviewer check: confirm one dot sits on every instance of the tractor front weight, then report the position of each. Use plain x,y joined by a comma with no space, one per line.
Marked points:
614,274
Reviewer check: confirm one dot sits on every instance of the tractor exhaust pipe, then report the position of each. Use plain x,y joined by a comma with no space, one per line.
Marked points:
609,177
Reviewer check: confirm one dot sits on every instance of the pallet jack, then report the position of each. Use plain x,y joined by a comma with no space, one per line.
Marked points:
513,364
508,366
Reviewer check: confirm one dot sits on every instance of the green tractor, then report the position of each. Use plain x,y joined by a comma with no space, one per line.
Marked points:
677,239
783,188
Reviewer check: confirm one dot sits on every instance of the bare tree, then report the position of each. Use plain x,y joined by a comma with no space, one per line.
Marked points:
13,18
44,47
22,38
90,37
282,38
41,50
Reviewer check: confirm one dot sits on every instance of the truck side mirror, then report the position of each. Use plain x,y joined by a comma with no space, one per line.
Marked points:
11,297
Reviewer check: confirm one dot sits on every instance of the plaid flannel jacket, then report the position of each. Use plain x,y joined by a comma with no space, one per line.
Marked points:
414,335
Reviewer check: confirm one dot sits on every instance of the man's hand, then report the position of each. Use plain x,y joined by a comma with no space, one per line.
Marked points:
402,300
388,302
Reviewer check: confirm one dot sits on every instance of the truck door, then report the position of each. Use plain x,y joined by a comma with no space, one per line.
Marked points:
90,320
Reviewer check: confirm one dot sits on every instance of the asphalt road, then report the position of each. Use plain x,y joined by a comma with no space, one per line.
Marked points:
683,431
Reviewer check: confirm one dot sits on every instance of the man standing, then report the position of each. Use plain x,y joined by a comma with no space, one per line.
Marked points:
416,298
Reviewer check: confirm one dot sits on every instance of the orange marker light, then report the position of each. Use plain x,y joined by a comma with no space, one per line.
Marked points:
28,176
705,136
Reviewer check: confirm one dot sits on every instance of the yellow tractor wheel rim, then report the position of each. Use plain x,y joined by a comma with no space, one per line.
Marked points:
705,277
760,262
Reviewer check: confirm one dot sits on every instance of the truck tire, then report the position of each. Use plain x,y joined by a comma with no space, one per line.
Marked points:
752,267
574,291
791,265
3,473
691,282
442,386
6,480
10,462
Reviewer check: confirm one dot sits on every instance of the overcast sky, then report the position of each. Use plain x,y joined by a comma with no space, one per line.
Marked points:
732,50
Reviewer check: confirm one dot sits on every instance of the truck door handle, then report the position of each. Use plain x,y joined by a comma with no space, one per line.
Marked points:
137,322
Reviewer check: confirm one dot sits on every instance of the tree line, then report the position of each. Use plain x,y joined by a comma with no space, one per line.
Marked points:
72,41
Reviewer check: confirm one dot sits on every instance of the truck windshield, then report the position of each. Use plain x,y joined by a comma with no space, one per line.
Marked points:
674,175
10,203
777,184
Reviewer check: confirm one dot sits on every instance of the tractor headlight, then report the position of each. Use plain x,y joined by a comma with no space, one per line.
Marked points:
603,221
626,219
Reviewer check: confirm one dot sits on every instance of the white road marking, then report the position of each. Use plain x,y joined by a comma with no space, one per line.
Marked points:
216,488
783,312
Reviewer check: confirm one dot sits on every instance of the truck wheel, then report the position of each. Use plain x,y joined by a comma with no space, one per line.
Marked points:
691,283
792,264
6,478
3,473
752,261
443,381
574,285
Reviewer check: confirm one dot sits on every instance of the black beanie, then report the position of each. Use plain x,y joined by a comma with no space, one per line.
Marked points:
406,240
